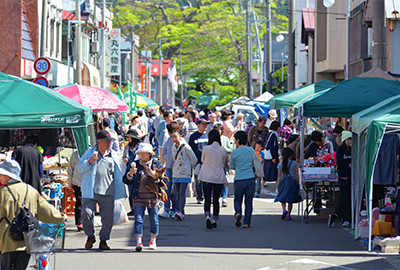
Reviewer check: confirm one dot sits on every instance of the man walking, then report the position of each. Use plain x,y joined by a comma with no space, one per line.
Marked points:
31,162
259,132
197,141
101,184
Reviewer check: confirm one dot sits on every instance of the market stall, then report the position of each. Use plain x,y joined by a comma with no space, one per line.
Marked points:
348,98
369,128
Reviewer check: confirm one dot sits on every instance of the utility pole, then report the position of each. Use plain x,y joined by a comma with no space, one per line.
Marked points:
378,35
160,60
78,47
268,47
103,47
250,91
180,71
43,37
291,47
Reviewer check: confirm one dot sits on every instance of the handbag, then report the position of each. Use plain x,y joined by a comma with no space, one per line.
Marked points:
267,153
258,168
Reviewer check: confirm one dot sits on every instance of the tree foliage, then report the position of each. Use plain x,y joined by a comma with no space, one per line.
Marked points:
210,34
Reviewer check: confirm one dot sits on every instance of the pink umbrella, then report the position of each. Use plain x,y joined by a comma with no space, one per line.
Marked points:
95,98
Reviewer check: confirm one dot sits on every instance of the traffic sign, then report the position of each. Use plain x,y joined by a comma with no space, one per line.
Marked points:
169,101
194,102
185,102
145,93
42,65
41,81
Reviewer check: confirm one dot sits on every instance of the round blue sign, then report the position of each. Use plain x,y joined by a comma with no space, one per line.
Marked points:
194,102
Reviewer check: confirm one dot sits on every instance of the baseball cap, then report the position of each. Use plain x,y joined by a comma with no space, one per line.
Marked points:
106,122
104,135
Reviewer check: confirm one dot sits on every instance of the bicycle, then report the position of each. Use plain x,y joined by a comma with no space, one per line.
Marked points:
41,244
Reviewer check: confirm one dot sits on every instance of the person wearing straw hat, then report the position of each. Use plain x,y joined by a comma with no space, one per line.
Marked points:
343,157
272,115
13,253
139,173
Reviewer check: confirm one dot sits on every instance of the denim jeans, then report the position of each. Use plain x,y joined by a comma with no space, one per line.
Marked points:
258,185
199,188
214,190
180,195
139,219
171,197
244,188
343,209
224,192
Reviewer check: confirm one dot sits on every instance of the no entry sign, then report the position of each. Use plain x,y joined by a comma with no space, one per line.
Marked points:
41,81
42,65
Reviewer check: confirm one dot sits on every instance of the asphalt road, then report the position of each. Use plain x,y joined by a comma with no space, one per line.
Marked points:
270,243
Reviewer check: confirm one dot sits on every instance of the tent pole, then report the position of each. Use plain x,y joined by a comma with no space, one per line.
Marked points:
59,159
302,124
370,214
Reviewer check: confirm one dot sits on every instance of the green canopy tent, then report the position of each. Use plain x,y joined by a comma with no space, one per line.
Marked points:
351,96
369,127
289,99
26,105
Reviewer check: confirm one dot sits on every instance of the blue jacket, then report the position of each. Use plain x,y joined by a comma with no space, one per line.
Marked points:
89,174
135,181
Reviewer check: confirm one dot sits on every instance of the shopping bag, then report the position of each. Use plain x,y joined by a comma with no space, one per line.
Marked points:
120,215
258,168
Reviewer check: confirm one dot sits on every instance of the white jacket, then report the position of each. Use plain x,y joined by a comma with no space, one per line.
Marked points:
184,162
213,169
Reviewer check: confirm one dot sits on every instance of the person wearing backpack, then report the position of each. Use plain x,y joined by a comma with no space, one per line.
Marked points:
13,194
288,183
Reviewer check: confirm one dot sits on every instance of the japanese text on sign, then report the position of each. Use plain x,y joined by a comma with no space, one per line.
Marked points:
115,52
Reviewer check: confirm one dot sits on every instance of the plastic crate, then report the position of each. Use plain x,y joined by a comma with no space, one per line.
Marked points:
70,201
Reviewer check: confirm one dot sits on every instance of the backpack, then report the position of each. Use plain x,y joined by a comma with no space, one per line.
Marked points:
24,221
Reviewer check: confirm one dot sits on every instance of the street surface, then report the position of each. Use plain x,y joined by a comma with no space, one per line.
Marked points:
270,244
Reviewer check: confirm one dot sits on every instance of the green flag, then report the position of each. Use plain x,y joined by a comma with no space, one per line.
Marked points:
121,97
132,96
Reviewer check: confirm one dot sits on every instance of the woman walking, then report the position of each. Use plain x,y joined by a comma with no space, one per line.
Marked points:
142,175
229,129
272,155
185,161
212,174
242,162
288,183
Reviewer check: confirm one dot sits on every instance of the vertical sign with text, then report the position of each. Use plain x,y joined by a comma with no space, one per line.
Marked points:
115,52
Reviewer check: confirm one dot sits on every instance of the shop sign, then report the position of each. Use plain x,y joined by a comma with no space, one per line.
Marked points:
51,120
115,52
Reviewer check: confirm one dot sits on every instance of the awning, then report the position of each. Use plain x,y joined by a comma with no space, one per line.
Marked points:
90,75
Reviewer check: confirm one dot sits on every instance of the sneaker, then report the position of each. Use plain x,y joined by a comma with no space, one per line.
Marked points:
153,246
284,214
79,227
346,224
208,223
103,245
139,247
90,241
246,226
288,218
257,195
199,202
224,203
172,214
331,220
131,213
238,217
164,215
179,216
214,224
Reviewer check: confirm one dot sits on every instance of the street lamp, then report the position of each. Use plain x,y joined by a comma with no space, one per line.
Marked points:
161,62
73,22
328,4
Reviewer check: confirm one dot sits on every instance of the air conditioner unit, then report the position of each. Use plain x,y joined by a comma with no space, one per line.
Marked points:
95,47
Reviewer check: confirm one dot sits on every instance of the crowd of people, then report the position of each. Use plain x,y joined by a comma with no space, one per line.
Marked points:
153,159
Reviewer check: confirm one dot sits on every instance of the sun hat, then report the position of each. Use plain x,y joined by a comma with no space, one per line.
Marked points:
193,127
133,134
273,114
145,148
11,168
346,135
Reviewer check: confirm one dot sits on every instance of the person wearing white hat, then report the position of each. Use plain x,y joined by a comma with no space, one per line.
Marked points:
343,157
13,194
271,117
139,174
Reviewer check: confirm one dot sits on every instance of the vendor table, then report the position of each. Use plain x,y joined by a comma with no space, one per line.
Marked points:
311,183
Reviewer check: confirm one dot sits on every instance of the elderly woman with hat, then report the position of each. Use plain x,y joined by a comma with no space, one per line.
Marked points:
129,156
343,157
140,172
272,115
13,194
